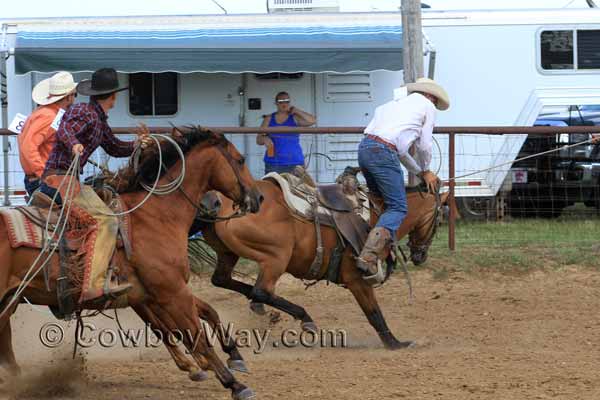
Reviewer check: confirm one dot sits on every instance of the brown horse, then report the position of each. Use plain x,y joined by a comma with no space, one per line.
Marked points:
158,267
280,242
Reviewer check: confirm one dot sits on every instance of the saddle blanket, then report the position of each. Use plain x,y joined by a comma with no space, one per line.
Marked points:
25,232
22,232
299,197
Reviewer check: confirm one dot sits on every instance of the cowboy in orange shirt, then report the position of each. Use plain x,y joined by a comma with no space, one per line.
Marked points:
37,137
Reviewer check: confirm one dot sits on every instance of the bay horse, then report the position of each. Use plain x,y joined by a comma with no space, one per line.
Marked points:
158,268
280,242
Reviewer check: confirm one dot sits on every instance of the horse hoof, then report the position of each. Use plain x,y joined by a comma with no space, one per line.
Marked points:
258,308
237,365
244,394
309,327
402,345
198,376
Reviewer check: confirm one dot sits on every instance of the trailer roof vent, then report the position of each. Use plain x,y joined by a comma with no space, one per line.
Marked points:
286,6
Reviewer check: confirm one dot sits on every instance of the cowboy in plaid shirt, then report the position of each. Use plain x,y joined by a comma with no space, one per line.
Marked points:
83,129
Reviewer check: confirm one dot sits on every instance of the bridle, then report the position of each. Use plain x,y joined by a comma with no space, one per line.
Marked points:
433,225
235,166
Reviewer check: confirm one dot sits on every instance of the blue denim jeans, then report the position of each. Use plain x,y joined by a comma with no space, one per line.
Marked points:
31,185
280,169
381,168
51,192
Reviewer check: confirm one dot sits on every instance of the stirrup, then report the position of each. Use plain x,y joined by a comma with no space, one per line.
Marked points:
377,278
112,292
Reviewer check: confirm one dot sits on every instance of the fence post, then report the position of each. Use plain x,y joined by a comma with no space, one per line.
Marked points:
4,116
451,185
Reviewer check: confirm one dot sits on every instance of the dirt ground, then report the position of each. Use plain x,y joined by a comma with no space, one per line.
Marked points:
534,336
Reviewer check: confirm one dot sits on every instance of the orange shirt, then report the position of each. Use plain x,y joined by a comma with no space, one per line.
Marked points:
37,139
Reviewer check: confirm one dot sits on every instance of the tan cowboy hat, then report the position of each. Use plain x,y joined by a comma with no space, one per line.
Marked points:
53,89
426,85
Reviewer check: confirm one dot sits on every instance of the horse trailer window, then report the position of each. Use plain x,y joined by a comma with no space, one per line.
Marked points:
557,50
153,94
588,49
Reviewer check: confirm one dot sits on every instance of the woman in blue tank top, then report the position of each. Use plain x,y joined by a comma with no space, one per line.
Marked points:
283,150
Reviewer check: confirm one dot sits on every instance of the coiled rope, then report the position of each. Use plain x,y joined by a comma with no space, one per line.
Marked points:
72,174
155,188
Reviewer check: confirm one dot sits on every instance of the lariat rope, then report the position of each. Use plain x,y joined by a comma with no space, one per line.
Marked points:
52,238
72,174
565,147
160,190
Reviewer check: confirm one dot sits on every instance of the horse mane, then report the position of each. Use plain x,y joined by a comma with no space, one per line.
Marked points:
128,179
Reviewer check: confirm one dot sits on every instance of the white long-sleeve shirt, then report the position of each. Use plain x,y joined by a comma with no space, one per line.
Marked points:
405,121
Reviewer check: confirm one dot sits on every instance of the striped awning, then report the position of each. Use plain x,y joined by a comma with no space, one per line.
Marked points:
271,48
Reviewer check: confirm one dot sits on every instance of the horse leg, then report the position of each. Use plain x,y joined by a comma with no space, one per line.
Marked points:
264,292
183,363
207,313
222,276
365,296
7,355
179,313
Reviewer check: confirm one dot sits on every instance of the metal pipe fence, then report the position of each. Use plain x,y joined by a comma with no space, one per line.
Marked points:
483,148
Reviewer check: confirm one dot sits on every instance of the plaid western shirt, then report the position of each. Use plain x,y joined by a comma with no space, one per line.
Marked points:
85,124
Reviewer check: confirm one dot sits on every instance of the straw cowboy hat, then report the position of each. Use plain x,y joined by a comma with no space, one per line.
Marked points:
104,81
426,85
53,89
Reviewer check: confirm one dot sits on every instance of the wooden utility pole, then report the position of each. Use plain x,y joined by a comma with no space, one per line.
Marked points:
412,37
412,50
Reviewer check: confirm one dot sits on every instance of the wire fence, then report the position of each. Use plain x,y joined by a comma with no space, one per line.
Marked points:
550,200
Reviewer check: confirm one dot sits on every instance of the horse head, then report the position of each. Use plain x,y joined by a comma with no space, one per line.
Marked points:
227,169
423,232
211,163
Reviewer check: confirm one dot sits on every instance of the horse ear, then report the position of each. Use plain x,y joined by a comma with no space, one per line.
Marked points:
176,132
444,198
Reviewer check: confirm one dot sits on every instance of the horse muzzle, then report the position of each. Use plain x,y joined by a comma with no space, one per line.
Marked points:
418,255
253,200
210,204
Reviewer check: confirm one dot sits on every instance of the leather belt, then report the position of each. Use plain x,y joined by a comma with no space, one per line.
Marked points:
51,172
31,177
383,141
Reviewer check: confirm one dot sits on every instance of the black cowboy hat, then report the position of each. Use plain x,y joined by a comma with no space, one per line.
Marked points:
104,81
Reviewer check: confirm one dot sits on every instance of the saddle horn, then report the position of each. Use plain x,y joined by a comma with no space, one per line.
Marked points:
350,170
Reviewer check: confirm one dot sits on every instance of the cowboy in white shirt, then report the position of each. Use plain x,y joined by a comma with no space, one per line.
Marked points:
396,126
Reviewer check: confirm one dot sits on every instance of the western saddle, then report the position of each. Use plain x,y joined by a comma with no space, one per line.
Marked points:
343,206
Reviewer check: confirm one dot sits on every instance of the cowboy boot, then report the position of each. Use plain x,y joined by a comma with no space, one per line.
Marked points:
376,248
115,290
111,291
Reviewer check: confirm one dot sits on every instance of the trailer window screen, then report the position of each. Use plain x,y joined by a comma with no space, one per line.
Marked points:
153,94
588,49
557,50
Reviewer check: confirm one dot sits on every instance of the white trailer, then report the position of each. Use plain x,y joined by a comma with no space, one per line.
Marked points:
339,66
